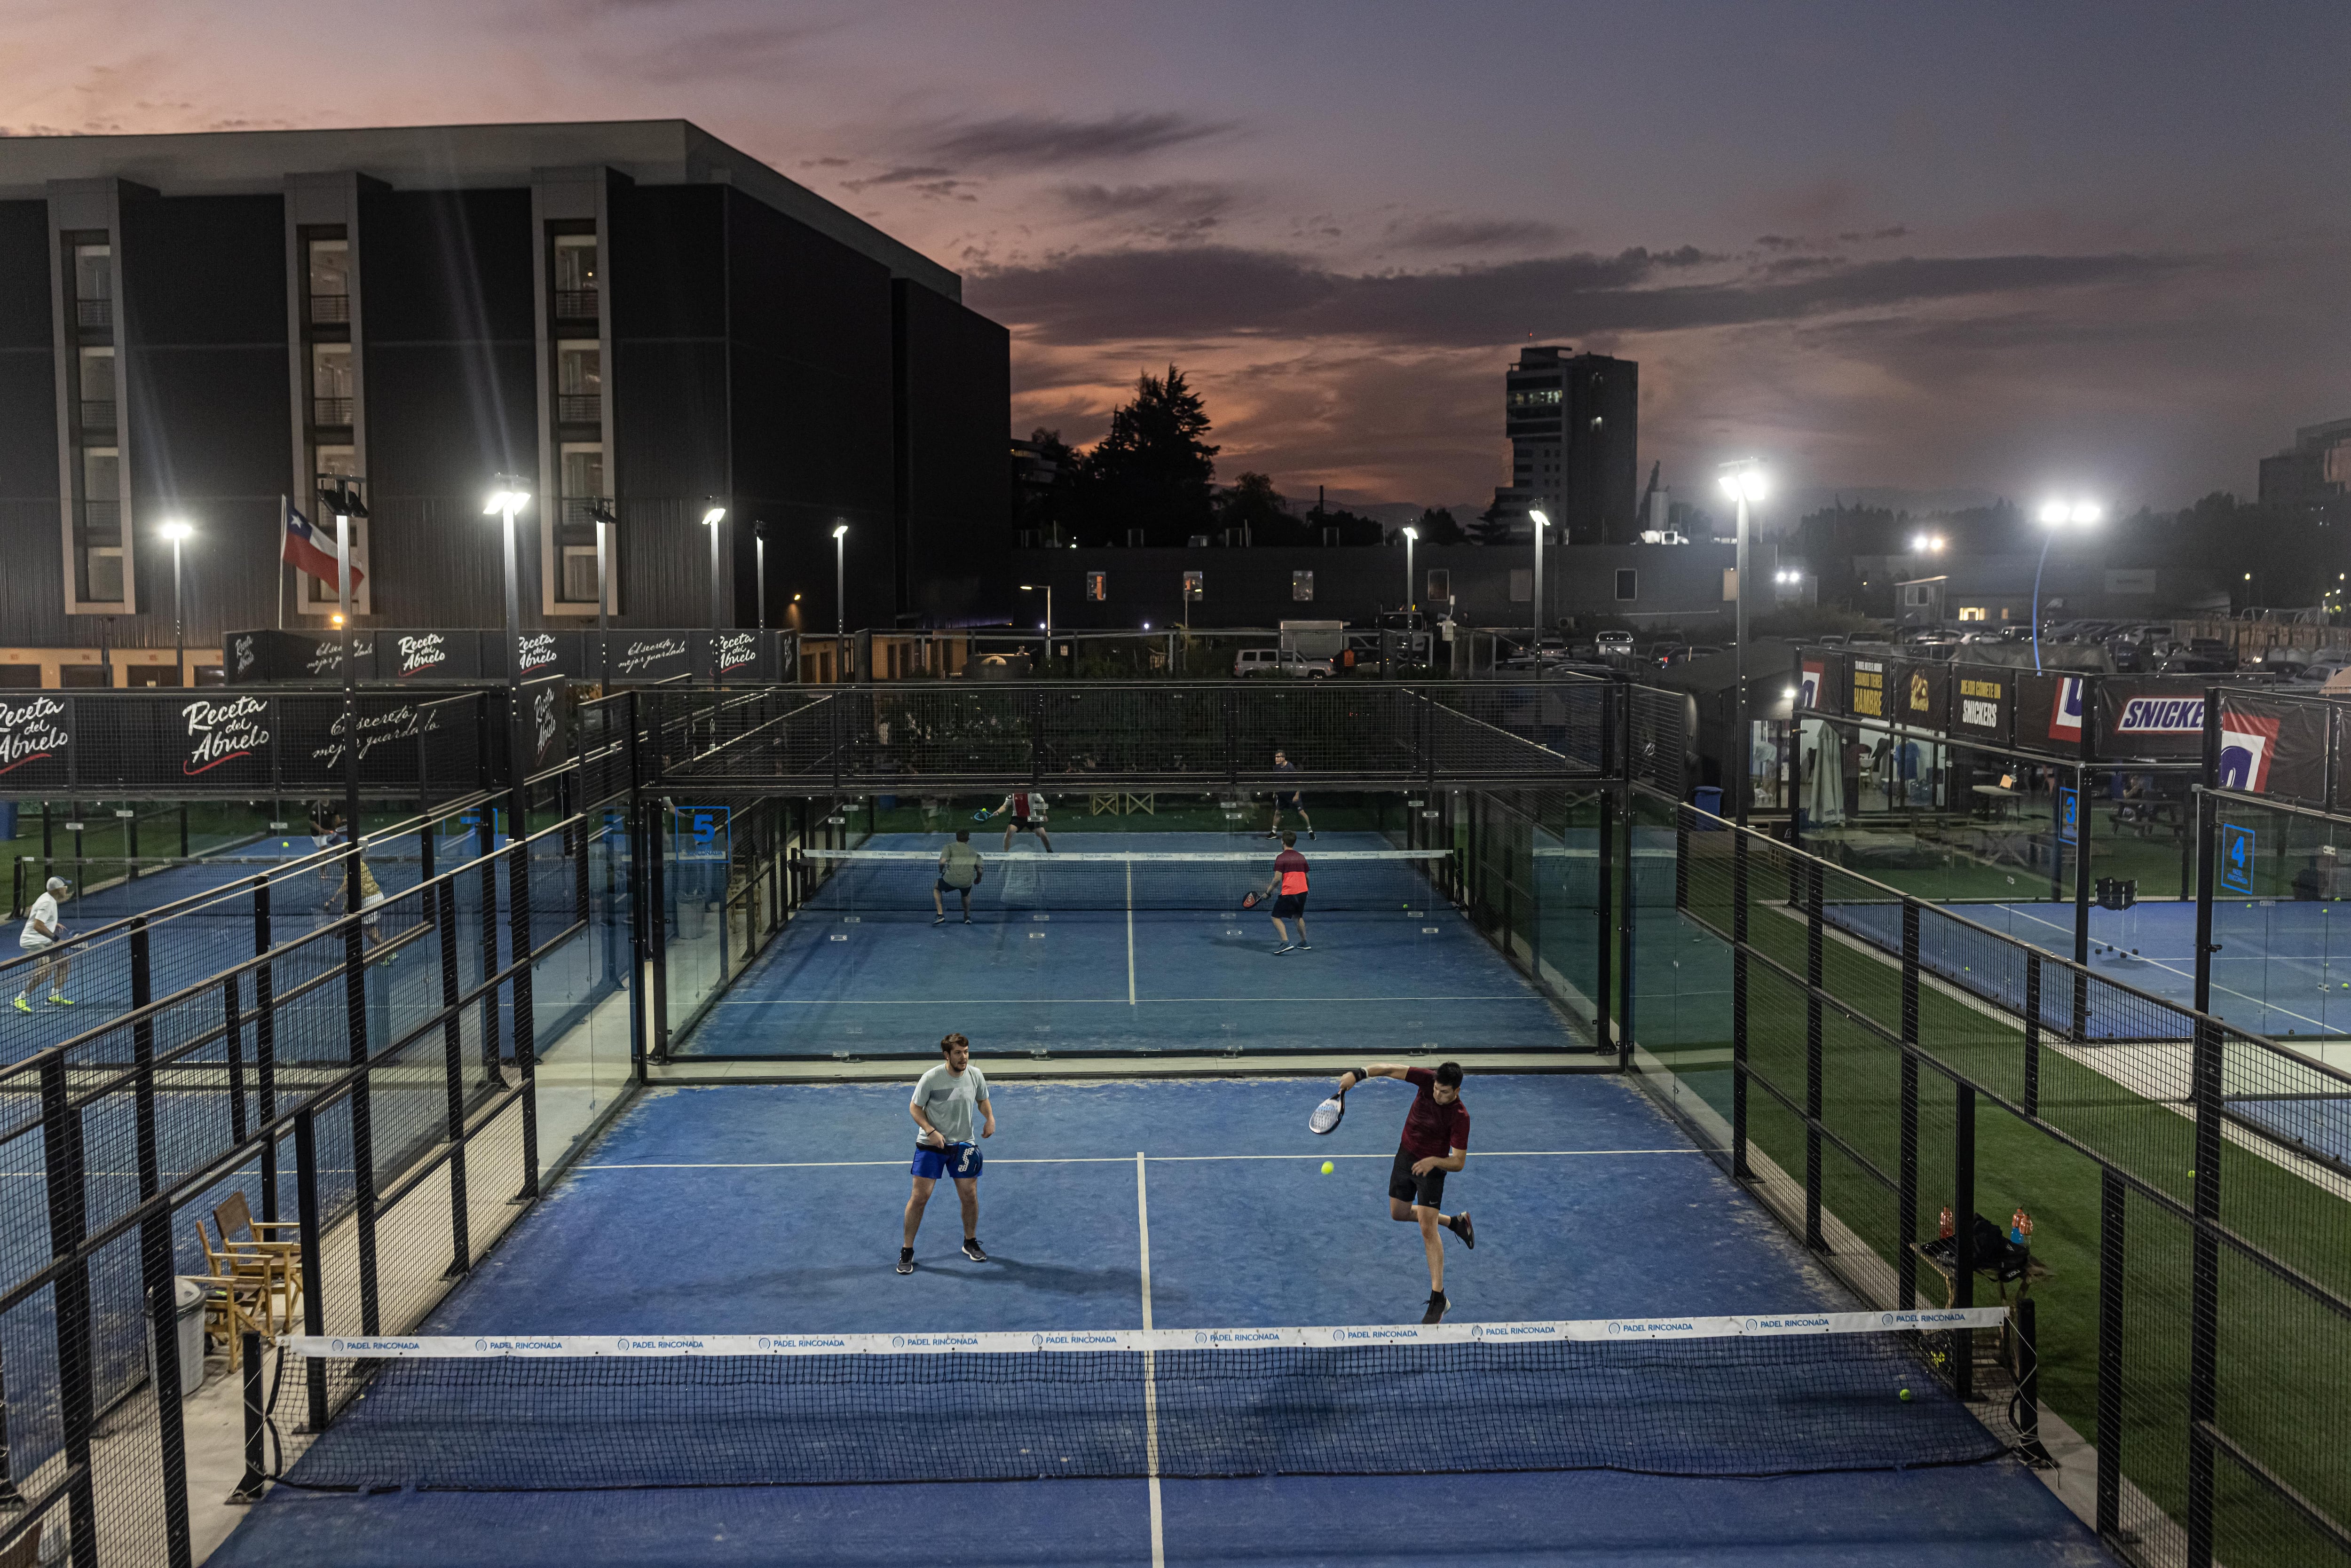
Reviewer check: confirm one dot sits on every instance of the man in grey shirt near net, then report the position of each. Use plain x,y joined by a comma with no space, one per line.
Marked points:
959,872
945,1099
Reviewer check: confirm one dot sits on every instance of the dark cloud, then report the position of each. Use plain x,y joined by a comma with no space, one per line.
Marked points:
1053,141
909,175
1474,234
1218,291
1168,210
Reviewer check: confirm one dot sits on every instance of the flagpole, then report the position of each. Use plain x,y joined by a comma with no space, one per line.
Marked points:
284,522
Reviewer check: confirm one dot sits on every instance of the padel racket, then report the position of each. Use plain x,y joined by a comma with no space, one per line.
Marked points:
1326,1116
1248,899
979,816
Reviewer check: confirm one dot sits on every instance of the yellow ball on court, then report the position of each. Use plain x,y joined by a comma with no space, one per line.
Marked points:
1326,1167
1903,1394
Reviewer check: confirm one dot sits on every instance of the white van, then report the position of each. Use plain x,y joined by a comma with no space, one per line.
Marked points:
1280,662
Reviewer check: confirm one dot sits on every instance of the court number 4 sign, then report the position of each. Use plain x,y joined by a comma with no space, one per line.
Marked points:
2236,859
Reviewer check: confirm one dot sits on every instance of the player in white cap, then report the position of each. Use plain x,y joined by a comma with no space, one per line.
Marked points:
42,934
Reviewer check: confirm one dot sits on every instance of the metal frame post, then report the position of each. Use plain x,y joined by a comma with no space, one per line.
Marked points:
2111,1267
2032,990
1631,902
61,1149
526,1023
158,1276
1739,848
313,1234
1815,962
265,1048
1906,1260
1604,913
453,1045
1963,1238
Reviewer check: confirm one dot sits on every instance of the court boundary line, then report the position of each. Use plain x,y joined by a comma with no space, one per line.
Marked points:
1096,1159
1097,1002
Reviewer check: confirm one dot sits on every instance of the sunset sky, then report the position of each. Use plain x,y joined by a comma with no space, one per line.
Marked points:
1940,251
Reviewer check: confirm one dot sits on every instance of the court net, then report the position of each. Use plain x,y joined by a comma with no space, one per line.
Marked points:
1695,1396
876,882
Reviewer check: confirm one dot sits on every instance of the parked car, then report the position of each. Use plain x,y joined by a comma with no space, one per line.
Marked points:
1280,662
1616,644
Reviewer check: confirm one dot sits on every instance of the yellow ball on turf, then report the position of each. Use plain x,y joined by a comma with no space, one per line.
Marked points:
1326,1167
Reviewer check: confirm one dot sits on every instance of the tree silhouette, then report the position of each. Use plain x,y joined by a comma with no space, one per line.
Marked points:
1152,471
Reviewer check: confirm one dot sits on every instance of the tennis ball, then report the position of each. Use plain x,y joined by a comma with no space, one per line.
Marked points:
286,843
1326,1167
1903,1394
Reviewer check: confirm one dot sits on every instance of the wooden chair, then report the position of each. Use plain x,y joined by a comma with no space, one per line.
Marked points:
236,1300
259,1279
241,1233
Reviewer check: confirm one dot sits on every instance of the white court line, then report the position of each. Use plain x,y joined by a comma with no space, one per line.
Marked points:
1088,1160
1130,933
1150,1382
1096,1001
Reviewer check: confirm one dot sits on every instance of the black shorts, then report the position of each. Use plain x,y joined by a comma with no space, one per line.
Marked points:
1021,824
1288,803
1293,905
946,886
1422,1191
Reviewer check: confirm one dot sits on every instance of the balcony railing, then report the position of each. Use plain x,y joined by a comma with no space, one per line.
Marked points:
329,309
577,512
330,411
580,408
575,304
97,414
94,313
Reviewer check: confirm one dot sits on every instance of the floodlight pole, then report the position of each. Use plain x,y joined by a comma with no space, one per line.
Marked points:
507,499
601,511
840,601
340,495
1543,524
711,520
1743,480
179,617
760,568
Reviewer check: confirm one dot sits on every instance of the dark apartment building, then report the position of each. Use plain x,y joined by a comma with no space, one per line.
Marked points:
1572,419
2314,472
632,313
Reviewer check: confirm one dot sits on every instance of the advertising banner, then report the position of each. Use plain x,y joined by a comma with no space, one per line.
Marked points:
428,655
36,742
2048,710
1981,698
2270,748
1869,689
734,655
642,658
1922,694
224,740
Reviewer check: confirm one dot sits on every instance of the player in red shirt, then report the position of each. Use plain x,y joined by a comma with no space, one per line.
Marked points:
1288,890
1436,1141
1027,810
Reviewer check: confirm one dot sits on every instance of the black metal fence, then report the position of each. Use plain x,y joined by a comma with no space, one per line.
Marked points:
1871,1066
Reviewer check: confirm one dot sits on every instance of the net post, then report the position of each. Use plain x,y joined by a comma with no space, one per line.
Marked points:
1631,900
1814,968
2033,978
2110,1353
363,1194
2204,1293
1740,846
265,1048
314,1306
1963,1237
61,1150
2026,1328
1906,1260
254,1482
1603,912
526,1030
452,1046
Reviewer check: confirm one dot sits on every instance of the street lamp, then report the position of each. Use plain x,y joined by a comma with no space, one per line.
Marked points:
760,567
508,495
2055,515
1048,627
1410,534
1543,524
177,532
339,493
711,520
1743,481
601,512
840,598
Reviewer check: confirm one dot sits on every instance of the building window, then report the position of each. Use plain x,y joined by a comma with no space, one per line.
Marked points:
1301,587
98,541
97,390
578,381
1628,584
1522,585
330,282
1972,612
330,385
1440,583
94,287
579,474
575,277
1196,585
1098,585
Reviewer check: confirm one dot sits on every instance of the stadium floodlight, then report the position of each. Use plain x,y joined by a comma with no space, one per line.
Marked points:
2058,513
1542,525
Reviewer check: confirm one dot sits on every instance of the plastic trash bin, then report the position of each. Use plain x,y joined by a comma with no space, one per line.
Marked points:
191,1305
1708,798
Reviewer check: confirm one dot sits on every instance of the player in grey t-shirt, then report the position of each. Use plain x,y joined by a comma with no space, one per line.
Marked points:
959,872
942,1106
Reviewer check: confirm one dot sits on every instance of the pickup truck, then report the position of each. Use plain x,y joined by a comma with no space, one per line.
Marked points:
1280,662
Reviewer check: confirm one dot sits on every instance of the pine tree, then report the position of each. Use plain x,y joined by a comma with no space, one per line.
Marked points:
1152,471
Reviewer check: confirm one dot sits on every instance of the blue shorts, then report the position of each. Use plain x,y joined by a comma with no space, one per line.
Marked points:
960,1161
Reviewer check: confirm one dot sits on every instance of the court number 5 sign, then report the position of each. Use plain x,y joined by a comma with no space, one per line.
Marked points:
2236,859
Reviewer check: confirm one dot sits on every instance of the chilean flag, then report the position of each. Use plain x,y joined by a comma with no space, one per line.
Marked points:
303,551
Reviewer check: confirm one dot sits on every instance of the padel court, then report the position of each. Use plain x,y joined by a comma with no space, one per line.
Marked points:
1124,943
776,1210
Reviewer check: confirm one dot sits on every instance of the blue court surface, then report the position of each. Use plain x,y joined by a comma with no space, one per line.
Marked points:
1075,957
777,1208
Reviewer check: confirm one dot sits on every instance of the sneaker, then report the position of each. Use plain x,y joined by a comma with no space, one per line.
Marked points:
966,920
1285,947
1310,835
57,1001
974,1250
1461,1227
1436,1305
1305,947
23,1006
905,1260
942,920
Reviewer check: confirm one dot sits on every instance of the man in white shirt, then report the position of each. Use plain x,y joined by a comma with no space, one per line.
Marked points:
41,936
945,1099
1027,810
